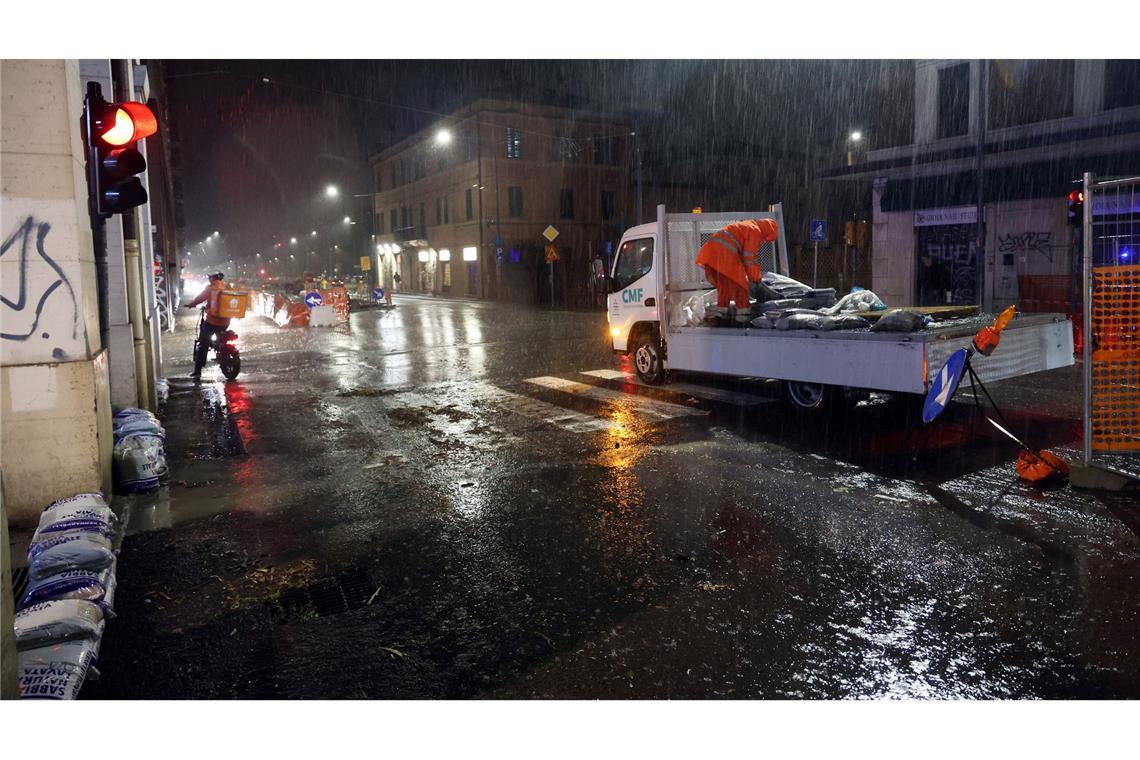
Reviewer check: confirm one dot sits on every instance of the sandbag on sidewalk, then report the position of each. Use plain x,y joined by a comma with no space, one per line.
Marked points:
56,671
73,549
96,586
52,622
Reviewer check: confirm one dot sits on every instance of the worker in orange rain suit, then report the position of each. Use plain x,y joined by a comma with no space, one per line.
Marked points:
731,258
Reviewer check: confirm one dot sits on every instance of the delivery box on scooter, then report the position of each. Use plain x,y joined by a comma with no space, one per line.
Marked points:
233,303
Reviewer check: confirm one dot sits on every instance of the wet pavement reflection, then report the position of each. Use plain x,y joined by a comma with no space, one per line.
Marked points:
390,509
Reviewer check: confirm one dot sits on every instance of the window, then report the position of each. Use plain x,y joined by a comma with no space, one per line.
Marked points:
379,222
635,259
514,143
403,170
423,221
379,179
566,203
445,214
607,205
392,175
446,273
1121,83
468,147
438,211
954,100
1024,92
468,200
392,219
605,152
514,201
470,253
419,164
405,222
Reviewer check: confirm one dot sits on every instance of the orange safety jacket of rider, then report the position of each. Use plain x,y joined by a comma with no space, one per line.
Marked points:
733,252
212,297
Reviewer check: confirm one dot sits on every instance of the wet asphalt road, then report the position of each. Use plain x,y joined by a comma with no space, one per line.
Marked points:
398,508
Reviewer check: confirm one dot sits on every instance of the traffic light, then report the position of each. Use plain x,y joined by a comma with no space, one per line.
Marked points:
1076,207
110,131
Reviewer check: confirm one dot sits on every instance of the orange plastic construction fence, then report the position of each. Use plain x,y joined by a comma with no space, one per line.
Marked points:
1115,392
338,299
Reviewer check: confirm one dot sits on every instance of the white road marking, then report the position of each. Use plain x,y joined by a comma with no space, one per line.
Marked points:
608,374
703,392
567,419
652,408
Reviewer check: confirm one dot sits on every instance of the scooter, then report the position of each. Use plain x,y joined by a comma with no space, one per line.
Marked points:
225,353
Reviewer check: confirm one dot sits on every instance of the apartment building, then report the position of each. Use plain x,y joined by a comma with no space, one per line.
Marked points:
460,208
1033,126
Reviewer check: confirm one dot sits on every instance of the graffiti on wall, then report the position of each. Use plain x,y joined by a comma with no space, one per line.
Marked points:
37,278
1026,242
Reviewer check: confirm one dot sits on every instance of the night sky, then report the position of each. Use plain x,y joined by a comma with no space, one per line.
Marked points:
256,154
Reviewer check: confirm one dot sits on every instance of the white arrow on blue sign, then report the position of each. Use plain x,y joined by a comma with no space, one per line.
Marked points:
377,294
944,384
818,229
313,299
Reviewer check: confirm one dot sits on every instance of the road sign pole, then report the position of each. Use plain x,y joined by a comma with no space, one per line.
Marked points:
815,265
551,266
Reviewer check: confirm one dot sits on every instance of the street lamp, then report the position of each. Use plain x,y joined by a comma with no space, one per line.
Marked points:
313,233
347,220
852,139
442,137
331,191
293,241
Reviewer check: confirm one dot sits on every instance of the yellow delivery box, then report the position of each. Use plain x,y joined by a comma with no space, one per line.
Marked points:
233,303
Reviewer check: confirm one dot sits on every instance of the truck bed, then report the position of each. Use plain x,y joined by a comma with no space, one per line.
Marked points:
901,362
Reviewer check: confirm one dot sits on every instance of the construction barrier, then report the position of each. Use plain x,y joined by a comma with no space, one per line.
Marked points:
337,298
280,309
1115,390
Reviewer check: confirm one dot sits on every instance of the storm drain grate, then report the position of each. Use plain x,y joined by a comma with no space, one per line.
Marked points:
345,591
19,583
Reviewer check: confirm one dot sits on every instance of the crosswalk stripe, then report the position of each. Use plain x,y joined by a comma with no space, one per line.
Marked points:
608,374
543,411
661,410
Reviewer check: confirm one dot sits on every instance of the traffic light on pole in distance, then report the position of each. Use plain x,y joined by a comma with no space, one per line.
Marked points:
1076,207
110,131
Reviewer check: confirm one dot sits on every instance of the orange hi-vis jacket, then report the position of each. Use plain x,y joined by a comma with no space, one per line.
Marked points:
212,296
730,258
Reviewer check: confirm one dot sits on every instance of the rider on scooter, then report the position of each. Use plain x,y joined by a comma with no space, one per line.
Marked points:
214,324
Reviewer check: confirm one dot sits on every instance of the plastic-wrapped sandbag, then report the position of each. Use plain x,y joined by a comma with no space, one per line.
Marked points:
132,425
817,321
74,549
773,287
139,461
56,671
87,499
692,312
763,323
75,517
857,300
96,586
901,320
162,389
51,622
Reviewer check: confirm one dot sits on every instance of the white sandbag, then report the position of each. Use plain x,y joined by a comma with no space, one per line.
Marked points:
96,586
162,389
74,517
134,425
857,300
49,623
73,549
139,461
87,499
56,671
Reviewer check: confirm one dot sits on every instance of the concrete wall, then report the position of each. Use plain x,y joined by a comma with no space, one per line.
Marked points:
55,436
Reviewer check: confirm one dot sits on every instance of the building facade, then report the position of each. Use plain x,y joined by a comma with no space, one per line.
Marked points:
459,209
1032,127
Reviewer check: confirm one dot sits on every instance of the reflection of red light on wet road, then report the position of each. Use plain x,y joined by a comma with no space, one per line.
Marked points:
239,403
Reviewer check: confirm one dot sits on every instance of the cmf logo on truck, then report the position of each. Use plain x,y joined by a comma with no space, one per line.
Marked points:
631,295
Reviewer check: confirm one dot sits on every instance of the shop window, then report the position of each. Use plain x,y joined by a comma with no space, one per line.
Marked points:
514,201
954,100
566,204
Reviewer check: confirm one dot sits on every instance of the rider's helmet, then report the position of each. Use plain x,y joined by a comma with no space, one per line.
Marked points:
218,276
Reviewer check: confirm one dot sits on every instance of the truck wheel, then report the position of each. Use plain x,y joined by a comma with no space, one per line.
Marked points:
647,359
813,398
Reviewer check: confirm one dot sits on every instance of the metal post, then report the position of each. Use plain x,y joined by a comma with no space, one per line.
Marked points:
637,138
1087,255
980,252
483,271
815,265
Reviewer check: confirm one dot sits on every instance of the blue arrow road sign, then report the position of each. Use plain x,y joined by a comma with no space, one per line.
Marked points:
377,294
313,299
818,229
944,384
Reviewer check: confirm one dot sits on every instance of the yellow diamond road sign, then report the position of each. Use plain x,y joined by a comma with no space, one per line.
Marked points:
550,233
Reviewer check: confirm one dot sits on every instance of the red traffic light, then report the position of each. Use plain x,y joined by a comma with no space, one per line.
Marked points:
1076,196
125,123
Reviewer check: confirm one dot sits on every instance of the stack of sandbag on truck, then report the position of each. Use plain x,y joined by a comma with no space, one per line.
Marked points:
139,455
786,304
71,590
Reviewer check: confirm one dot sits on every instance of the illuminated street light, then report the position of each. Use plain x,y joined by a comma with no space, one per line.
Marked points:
313,233
856,136
216,233
331,191
347,220
443,137
293,241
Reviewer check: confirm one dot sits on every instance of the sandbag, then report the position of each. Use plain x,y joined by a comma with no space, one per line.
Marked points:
96,586
845,322
901,320
92,499
817,321
49,623
857,300
74,549
139,461
74,517
56,671
773,287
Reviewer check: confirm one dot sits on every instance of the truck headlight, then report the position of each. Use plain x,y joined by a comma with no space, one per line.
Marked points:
616,331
